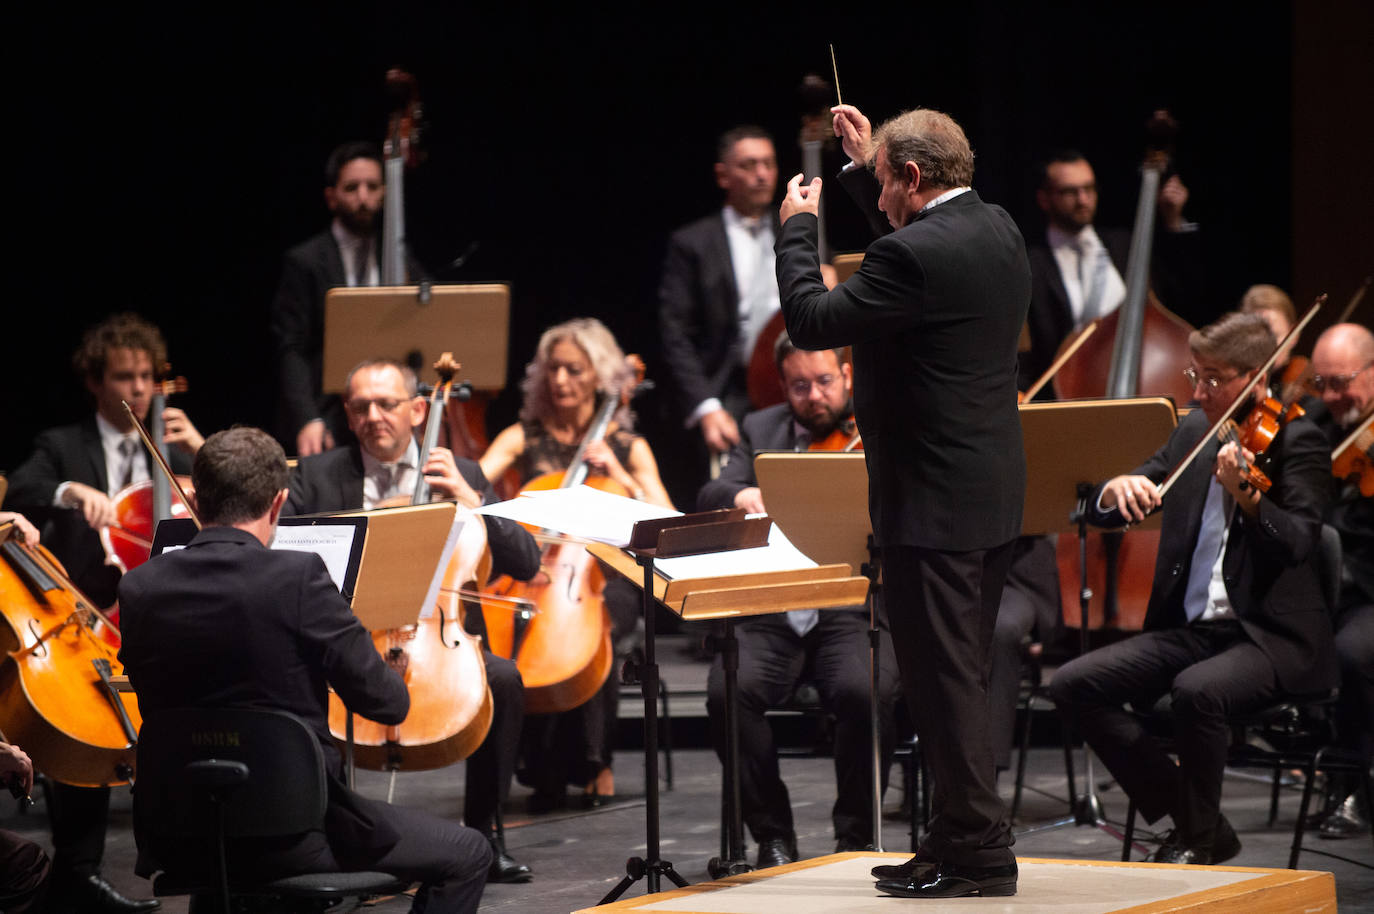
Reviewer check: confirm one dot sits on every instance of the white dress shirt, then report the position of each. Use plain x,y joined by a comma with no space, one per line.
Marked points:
1083,257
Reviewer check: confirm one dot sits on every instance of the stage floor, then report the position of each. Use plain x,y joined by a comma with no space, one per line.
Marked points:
841,882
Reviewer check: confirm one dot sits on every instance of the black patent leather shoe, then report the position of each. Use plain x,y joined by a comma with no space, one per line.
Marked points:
850,845
1225,845
948,880
93,895
505,868
918,867
777,852
1345,820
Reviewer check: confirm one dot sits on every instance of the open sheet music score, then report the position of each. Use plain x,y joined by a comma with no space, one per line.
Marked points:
590,514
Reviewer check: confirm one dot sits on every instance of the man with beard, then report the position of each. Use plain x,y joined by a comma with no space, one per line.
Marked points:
344,254
777,652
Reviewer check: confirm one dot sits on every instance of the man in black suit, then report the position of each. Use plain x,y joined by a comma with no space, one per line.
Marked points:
382,412
1078,270
228,622
933,315
778,652
347,253
1236,618
66,485
716,294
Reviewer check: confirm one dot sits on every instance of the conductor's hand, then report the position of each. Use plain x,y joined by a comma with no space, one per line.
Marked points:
313,438
801,199
95,505
441,472
179,432
854,131
720,431
1134,496
751,500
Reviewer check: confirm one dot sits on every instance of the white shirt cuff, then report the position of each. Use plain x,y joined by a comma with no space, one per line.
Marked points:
709,405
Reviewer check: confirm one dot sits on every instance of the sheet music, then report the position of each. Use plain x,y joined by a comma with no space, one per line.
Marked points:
331,542
450,543
778,555
580,511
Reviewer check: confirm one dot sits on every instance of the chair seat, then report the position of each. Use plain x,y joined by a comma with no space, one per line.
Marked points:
304,885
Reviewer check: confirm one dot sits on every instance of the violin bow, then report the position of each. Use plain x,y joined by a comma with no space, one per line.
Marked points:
1240,398
162,463
1063,357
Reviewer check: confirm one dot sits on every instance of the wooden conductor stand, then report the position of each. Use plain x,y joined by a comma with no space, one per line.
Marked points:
722,597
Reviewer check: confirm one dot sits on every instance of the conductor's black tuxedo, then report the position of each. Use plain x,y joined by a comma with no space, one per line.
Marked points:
933,315
333,481
227,622
1278,641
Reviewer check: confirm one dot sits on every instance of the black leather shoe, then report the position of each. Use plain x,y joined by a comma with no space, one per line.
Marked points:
916,868
93,895
776,852
1345,820
1225,845
505,868
948,880
849,845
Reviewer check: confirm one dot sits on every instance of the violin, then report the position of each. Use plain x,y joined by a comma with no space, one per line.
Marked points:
844,438
57,697
1353,459
442,665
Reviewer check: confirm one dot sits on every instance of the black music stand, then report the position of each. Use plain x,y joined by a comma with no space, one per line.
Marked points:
1070,446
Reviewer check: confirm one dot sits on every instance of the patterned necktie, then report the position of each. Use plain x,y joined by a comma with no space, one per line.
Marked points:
1205,552
360,259
127,449
1092,275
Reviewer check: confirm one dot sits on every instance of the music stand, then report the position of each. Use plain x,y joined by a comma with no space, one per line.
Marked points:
1071,446
713,597
820,500
405,321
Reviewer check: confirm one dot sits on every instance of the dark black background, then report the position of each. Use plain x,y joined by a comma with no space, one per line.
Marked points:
166,157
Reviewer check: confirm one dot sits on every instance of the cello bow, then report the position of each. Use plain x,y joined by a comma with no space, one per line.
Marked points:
161,462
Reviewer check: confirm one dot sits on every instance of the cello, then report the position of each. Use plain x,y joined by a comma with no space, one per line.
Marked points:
442,665
57,697
563,648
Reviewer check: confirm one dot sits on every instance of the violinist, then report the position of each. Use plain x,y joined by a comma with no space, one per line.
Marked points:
383,412
1236,619
228,622
576,365
778,652
1077,268
23,864
69,481
1343,372
1273,304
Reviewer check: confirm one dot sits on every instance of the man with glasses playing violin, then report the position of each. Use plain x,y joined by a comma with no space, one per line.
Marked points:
778,652
1343,376
1236,619
383,412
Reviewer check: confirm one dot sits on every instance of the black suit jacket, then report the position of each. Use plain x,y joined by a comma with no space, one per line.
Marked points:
72,453
333,481
227,622
1270,566
769,429
698,313
934,315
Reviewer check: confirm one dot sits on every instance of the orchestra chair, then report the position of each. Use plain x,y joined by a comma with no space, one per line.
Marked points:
1034,690
213,779
1295,733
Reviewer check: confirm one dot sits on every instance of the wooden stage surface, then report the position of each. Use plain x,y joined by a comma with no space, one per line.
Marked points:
841,882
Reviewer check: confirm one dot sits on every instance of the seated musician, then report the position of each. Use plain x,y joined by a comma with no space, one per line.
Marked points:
1343,374
778,652
23,864
576,365
383,412
1273,304
227,622
67,485
1236,620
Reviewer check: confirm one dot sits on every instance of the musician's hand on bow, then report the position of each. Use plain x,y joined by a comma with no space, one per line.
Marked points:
751,500
441,472
1134,496
179,431
313,438
855,132
719,430
95,505
16,767
602,459
1231,473
801,199
27,531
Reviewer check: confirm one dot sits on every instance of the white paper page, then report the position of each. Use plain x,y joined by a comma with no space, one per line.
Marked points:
331,542
580,511
778,555
432,595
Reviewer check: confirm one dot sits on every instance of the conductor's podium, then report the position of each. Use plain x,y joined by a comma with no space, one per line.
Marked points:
841,882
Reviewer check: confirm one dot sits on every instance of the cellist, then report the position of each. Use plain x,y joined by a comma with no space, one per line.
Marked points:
576,364
383,412
67,483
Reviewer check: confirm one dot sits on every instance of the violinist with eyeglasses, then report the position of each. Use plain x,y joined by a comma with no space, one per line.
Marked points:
1237,619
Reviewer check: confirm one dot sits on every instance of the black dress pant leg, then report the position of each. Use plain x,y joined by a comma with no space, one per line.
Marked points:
491,767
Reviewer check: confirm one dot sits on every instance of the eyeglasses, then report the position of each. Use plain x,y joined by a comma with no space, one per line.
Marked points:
1074,191
1337,382
802,387
1212,381
363,407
